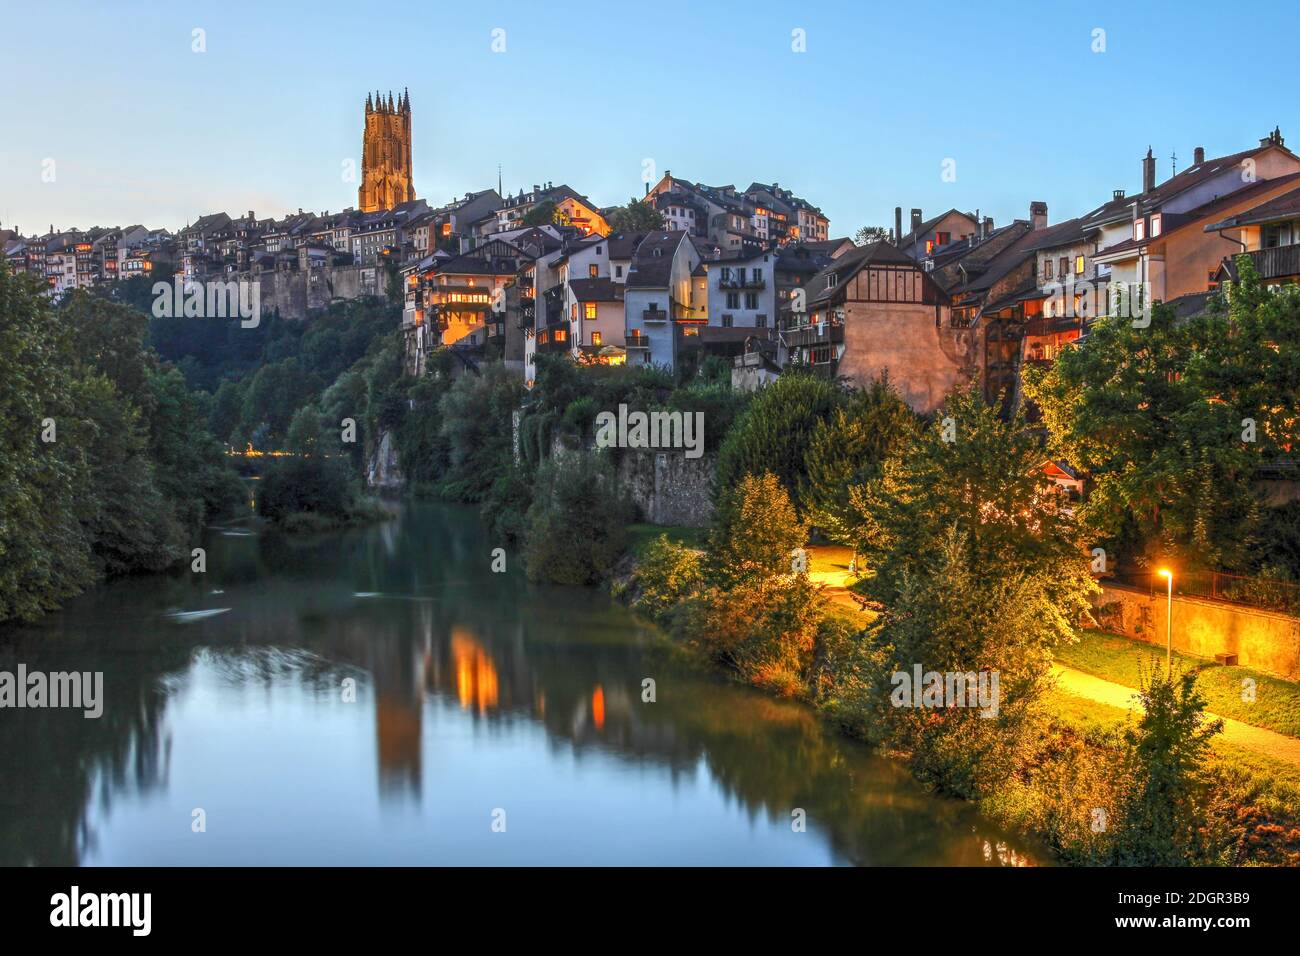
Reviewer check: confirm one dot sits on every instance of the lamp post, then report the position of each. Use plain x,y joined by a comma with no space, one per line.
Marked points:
1169,621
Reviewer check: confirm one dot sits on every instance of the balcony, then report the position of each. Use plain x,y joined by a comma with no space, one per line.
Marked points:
1051,325
1281,262
635,340
741,282
655,315
821,334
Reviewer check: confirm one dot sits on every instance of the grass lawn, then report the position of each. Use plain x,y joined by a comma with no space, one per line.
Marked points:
1274,784
639,536
1112,657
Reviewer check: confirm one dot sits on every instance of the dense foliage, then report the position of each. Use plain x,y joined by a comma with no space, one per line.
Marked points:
774,432
577,522
107,465
1172,420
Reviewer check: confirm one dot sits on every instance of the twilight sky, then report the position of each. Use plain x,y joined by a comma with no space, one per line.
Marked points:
141,128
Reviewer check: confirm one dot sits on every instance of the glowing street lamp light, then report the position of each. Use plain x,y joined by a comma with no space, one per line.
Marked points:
1169,621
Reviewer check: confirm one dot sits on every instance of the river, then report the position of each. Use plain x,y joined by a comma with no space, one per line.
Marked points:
381,696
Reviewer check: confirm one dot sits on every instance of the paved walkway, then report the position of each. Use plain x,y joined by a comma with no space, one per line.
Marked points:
1257,739
831,571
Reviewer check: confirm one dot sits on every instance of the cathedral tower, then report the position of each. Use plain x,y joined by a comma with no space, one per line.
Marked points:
386,154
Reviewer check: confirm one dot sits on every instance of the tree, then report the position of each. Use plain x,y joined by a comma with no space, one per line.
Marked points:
577,522
636,216
980,474
44,485
869,234
545,213
1163,818
989,623
756,532
1156,416
848,449
475,419
773,433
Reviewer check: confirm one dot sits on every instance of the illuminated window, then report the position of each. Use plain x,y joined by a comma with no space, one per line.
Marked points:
595,338
561,335
593,270
589,310
1078,265
573,311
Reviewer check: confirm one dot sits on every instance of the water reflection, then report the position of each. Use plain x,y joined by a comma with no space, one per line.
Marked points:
474,690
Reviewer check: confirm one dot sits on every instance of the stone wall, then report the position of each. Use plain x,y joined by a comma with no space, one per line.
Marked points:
665,486
1265,640
297,293
669,488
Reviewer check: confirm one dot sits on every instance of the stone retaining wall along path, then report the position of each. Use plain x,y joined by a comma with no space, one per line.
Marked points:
1265,640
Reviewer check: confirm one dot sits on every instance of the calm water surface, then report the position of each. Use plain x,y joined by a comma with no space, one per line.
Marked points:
474,692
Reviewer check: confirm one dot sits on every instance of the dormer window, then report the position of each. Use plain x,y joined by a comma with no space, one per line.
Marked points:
1155,225
832,281
1139,230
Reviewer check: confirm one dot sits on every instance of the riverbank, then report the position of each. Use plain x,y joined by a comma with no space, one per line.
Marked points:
389,681
1060,794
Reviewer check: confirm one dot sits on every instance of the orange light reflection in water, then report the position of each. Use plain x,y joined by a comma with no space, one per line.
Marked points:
476,676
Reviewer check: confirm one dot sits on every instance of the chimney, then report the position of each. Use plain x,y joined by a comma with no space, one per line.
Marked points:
1148,172
898,224
1117,194
1038,214
1198,155
988,226
916,220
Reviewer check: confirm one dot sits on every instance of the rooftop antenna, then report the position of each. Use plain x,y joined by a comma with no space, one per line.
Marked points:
499,179
1173,162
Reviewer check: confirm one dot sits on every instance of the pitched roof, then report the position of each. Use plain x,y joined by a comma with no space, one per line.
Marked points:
929,224
1174,221
1285,206
652,264
846,266
597,290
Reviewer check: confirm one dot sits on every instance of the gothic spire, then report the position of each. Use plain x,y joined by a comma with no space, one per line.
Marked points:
369,108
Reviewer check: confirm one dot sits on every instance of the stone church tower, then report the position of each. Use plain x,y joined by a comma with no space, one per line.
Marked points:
386,154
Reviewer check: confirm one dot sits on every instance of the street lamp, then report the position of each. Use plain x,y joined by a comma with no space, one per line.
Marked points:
1169,621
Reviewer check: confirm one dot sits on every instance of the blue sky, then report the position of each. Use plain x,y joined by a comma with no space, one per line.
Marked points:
143,129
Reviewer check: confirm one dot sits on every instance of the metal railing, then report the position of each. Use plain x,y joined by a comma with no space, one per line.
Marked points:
1260,592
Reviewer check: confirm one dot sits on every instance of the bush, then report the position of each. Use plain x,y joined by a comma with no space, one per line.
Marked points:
577,522
1162,814
667,575
317,486
764,628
